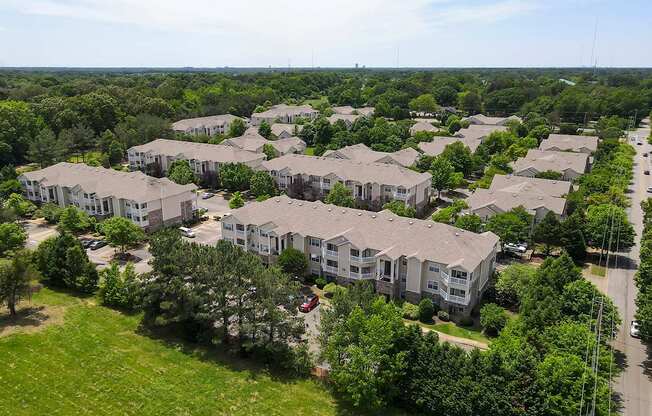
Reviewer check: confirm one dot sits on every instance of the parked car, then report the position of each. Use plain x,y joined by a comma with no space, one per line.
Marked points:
634,329
639,143
86,242
207,195
646,172
649,189
97,244
644,154
309,303
518,248
187,232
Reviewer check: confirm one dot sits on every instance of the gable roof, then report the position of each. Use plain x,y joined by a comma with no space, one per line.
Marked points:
198,151
505,200
438,144
383,231
255,143
108,182
569,142
348,110
513,183
544,160
279,128
496,121
479,131
201,122
280,110
350,118
422,126
381,173
361,153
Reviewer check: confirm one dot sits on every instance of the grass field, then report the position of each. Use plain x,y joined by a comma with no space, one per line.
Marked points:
97,363
598,270
455,330
310,151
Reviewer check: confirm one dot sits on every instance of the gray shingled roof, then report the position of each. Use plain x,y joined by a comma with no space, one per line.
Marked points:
513,183
383,231
284,109
479,131
256,143
200,122
569,142
544,160
278,128
438,144
198,151
361,153
134,186
380,173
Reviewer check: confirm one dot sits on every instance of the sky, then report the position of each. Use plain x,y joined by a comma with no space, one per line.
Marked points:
325,33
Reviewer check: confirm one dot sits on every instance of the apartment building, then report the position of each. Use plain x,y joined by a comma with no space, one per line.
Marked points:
371,184
570,143
422,126
361,153
470,137
348,110
404,257
257,143
347,119
570,165
537,196
283,131
480,119
203,157
283,113
149,202
211,125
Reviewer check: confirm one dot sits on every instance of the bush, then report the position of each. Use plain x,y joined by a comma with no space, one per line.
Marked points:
466,321
320,282
443,316
426,310
118,289
410,311
333,288
492,318
50,212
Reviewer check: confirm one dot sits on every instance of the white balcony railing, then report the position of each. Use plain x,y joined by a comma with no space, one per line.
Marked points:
443,294
400,196
458,299
354,275
360,259
332,253
369,275
457,281
445,275
330,269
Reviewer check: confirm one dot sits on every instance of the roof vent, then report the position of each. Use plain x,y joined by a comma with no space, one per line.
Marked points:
314,207
330,209
343,211
289,202
390,219
410,222
429,225
278,200
457,234
300,204
359,213
373,216
540,198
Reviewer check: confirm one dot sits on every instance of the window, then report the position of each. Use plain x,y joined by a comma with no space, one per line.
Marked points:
326,181
86,195
315,258
143,205
459,274
331,247
432,285
404,262
228,227
366,270
264,248
264,234
136,205
433,268
457,292
144,217
273,173
355,252
401,191
137,218
127,204
331,263
315,242
387,188
239,227
105,205
240,241
354,269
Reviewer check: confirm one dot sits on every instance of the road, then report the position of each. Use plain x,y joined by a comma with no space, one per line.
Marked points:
635,383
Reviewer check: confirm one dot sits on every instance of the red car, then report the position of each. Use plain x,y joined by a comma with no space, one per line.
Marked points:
310,302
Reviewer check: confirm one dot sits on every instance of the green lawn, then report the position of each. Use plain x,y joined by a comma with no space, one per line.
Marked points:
310,151
598,270
97,362
316,101
455,330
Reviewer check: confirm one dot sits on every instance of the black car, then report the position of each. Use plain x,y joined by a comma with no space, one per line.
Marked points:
644,154
97,244
86,242
646,172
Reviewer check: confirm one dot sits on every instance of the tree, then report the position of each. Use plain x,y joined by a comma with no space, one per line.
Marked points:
512,283
12,238
74,220
63,262
49,211
19,205
571,235
442,174
460,157
450,214
45,149
425,103
608,228
262,183
469,222
264,129
492,318
340,195
9,187
549,174
426,310
470,102
269,151
115,153
511,227
236,201
236,176
237,128
118,288
453,124
18,128
78,139
400,208
121,232
180,172
293,262
547,232
15,277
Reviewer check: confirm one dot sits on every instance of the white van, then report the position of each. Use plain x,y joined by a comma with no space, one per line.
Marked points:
187,232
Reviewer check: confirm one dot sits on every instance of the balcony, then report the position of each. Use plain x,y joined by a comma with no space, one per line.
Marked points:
325,185
457,281
369,275
463,300
240,232
332,253
330,269
360,259
401,197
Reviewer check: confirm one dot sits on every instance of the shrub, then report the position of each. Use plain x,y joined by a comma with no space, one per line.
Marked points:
320,282
50,212
443,315
426,310
492,318
118,289
466,321
333,288
410,311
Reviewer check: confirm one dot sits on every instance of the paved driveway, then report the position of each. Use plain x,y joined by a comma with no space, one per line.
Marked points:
38,231
635,383
207,232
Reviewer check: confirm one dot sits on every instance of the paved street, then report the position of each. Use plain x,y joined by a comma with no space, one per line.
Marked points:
635,384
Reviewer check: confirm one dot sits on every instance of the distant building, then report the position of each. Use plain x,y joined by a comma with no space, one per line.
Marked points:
570,165
211,125
256,144
283,131
283,113
570,143
150,203
494,121
422,126
348,119
348,110
404,258
361,153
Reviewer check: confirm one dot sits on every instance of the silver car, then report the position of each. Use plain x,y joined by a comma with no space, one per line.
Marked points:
635,329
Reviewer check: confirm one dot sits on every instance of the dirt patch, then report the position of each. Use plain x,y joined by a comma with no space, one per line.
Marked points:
30,318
